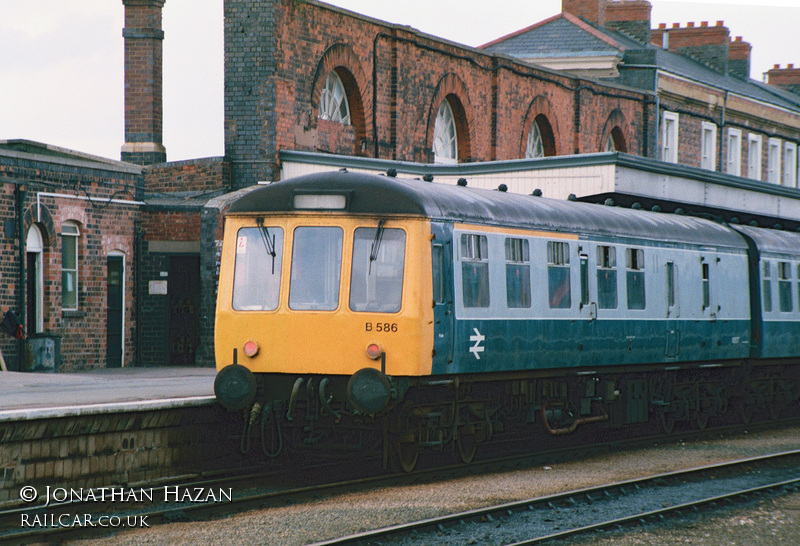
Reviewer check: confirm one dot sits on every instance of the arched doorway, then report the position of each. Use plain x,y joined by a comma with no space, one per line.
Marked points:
34,312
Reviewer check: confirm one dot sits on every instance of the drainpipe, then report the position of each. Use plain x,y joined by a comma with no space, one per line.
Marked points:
19,194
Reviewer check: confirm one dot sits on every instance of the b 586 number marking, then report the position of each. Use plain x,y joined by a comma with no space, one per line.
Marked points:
381,327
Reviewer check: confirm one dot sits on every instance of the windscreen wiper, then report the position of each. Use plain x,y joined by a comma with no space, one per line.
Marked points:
269,240
376,245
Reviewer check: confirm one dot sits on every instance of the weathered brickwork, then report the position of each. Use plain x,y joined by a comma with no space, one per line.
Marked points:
100,200
114,449
196,175
395,79
143,79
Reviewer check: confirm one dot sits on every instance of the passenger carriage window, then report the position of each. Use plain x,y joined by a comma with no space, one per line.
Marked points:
584,279
785,286
558,275
706,287
437,260
766,286
518,273
376,280
635,278
475,270
606,277
257,270
316,268
670,284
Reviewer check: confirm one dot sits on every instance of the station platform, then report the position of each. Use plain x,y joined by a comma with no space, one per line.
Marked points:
25,395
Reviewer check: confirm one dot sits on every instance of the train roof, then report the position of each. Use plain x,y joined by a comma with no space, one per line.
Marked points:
383,195
772,240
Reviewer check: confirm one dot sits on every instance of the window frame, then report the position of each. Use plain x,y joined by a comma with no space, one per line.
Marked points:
708,156
276,269
754,151
606,264
70,231
785,301
471,254
534,149
371,305
790,164
445,135
302,304
636,291
774,161
331,99
669,137
558,261
518,260
734,157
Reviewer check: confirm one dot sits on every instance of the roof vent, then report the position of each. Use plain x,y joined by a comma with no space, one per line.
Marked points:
609,202
462,182
679,211
392,173
656,208
572,197
537,192
636,206
428,177
343,170
502,187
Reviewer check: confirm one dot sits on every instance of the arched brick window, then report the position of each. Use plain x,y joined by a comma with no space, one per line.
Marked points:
339,102
540,139
445,135
613,136
539,130
448,133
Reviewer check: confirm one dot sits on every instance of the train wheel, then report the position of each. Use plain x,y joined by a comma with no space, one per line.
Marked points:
701,419
746,411
666,420
466,444
406,455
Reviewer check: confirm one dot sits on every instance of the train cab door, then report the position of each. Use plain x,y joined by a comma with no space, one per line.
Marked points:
673,311
443,315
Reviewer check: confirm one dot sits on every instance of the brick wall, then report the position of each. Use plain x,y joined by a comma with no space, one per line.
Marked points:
205,174
115,449
396,80
90,195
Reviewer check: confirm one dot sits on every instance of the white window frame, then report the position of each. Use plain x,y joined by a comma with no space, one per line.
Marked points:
754,156
734,158
669,137
535,147
708,145
774,161
790,164
71,230
445,135
333,103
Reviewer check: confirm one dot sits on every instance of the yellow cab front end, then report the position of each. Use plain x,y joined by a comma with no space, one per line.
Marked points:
322,308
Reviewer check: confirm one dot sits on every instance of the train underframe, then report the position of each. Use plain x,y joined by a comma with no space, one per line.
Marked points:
294,416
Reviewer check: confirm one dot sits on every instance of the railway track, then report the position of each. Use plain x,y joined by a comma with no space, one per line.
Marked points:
612,506
206,497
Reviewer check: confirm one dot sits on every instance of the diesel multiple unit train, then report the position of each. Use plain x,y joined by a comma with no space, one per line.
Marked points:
370,313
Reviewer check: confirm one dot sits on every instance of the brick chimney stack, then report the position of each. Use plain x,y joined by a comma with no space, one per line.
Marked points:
143,82
788,78
593,11
739,58
706,44
630,17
